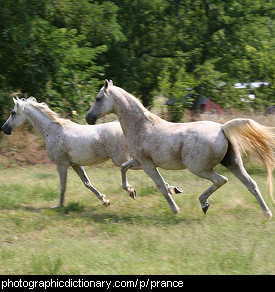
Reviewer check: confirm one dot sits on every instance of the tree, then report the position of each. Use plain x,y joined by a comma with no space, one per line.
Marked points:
132,64
215,41
51,49
219,41
62,50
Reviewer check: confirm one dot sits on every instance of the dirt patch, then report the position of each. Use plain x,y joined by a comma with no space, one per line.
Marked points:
23,147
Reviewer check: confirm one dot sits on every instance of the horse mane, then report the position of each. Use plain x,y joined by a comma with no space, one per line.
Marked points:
150,116
43,108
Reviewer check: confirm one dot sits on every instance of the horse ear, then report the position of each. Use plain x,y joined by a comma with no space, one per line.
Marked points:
31,98
17,103
106,84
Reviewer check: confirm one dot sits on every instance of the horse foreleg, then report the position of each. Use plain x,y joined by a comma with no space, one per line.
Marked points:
160,183
62,171
125,185
83,176
217,180
131,192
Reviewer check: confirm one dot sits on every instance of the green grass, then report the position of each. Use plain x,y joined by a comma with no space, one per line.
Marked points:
131,237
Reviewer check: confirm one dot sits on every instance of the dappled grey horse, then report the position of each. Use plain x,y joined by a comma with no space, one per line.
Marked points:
199,146
71,144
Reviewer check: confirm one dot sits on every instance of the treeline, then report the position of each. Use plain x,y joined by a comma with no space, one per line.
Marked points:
61,51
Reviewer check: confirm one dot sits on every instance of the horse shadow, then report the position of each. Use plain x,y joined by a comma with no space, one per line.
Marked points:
92,214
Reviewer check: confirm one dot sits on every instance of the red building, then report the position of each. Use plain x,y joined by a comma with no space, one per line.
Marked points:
207,105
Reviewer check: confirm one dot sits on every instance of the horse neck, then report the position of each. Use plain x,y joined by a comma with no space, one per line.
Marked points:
131,113
42,124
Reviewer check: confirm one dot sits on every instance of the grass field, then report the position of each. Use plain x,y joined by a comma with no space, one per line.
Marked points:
131,237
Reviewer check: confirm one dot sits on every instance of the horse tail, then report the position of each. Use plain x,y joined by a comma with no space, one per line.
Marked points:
246,134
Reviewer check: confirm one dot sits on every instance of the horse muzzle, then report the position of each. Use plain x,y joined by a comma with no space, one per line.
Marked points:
91,119
7,129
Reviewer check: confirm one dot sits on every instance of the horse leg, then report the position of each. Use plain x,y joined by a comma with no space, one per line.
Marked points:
62,171
173,190
83,176
233,162
240,172
217,180
125,185
251,185
152,171
131,192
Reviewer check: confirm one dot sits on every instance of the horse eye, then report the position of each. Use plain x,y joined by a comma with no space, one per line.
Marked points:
13,112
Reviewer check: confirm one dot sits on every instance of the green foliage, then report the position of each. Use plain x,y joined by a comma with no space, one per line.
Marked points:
214,41
47,51
61,51
5,102
173,82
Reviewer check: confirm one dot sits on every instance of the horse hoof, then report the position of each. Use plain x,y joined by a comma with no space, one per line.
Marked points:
176,211
178,190
106,203
204,209
268,214
133,194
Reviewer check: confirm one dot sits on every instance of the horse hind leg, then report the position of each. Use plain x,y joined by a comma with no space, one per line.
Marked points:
233,162
217,180
83,176
240,172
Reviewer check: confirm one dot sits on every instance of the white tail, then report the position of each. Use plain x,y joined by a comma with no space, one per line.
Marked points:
246,134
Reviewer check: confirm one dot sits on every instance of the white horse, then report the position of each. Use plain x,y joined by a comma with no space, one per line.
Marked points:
199,146
71,144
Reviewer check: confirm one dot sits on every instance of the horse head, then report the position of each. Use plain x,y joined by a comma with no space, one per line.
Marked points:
103,104
16,118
